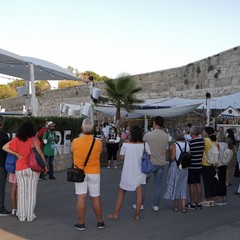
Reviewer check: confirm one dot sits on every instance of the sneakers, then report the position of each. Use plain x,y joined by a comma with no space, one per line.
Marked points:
14,212
100,225
134,206
80,227
198,205
208,203
155,208
220,203
42,178
191,206
4,213
212,203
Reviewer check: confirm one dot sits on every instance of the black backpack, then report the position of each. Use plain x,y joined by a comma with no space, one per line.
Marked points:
184,158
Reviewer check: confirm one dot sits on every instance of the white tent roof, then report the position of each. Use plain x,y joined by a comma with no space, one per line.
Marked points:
31,69
15,65
232,100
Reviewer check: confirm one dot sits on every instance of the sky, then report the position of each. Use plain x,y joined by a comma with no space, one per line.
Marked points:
110,37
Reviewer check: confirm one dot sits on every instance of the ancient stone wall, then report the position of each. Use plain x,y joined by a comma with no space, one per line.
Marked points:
218,74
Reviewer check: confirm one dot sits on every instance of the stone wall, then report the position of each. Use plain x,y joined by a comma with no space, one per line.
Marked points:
218,74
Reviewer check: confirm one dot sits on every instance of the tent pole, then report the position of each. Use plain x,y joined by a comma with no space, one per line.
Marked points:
33,99
145,124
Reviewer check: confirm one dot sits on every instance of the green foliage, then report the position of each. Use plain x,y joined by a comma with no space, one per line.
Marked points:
7,92
122,93
16,83
68,83
42,86
62,123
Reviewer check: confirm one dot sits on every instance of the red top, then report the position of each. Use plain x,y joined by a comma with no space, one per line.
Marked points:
40,135
24,150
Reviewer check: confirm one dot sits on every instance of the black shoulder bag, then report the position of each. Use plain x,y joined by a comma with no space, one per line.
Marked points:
75,174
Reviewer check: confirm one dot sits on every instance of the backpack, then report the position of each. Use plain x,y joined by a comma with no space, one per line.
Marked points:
212,155
10,163
184,158
225,154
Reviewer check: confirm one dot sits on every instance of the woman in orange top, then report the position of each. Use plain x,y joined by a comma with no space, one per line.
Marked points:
27,180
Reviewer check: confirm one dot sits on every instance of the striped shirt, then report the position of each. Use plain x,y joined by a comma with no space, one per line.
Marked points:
196,150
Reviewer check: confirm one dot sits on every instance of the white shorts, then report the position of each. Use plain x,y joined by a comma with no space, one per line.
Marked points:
91,184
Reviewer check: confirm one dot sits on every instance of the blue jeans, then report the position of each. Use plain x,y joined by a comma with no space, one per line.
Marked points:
3,177
49,160
158,179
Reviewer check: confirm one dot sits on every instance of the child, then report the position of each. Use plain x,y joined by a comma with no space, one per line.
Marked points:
12,179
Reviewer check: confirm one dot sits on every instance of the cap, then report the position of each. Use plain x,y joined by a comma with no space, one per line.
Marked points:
50,123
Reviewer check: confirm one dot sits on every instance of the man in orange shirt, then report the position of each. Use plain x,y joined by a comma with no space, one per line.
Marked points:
91,184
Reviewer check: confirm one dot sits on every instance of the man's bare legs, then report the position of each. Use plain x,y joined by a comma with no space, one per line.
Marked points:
97,207
81,208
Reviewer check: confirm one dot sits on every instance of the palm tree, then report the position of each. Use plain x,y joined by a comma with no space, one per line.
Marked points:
122,94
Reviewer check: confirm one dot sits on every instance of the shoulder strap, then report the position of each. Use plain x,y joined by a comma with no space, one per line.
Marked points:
179,146
90,150
144,149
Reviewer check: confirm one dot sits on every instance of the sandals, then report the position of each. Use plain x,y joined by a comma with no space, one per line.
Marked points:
175,209
184,210
137,217
111,216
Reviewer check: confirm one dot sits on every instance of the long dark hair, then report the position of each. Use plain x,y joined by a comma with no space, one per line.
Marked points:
25,131
231,135
211,133
136,134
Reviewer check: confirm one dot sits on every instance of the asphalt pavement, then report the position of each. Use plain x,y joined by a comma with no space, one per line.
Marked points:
56,215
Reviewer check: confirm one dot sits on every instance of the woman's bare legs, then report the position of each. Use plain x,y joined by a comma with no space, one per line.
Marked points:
139,196
118,204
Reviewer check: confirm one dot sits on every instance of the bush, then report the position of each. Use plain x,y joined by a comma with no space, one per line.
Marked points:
62,123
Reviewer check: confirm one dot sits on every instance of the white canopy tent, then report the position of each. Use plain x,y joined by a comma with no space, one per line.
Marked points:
31,69
172,107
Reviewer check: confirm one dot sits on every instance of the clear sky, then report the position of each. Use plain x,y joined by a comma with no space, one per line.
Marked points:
114,36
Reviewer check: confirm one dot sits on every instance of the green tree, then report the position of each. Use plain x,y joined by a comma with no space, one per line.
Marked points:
7,92
121,92
68,83
16,83
42,86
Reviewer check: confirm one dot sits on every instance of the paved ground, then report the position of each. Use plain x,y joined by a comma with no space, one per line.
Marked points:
56,215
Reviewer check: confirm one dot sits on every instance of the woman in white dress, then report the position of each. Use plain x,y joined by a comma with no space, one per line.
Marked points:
132,178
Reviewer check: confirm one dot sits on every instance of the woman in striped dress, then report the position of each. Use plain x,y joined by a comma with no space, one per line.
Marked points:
27,179
177,177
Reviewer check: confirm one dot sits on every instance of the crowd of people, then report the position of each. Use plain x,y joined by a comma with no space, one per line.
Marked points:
201,176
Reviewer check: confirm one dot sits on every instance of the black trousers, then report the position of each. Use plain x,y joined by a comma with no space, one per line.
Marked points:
209,181
221,183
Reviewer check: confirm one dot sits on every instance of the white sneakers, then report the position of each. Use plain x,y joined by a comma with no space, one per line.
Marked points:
155,208
208,203
134,207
